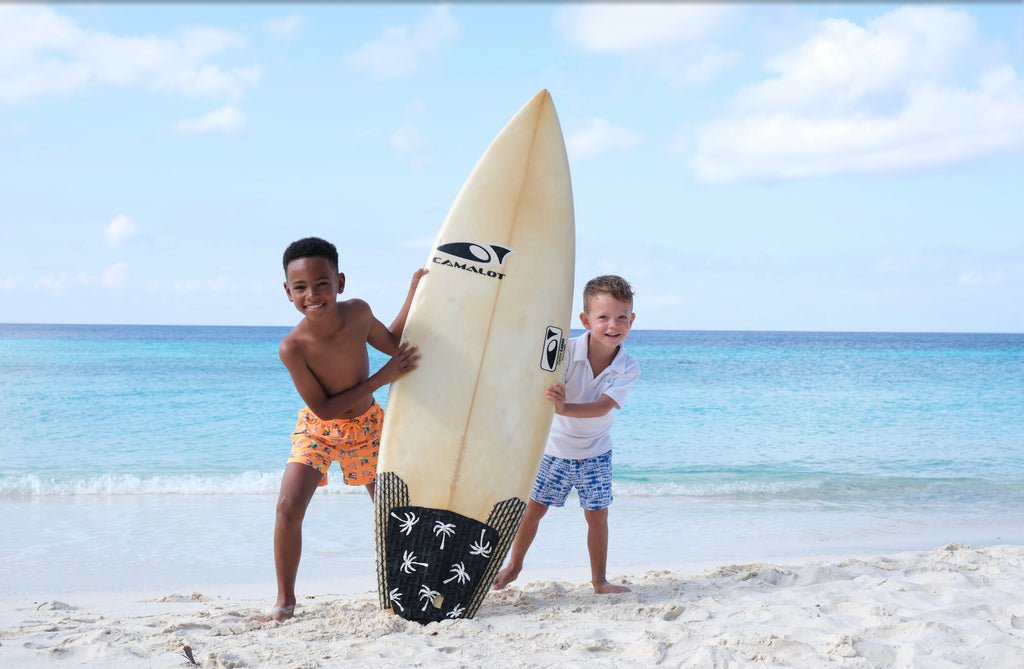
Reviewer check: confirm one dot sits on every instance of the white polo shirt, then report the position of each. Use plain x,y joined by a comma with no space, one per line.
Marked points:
581,438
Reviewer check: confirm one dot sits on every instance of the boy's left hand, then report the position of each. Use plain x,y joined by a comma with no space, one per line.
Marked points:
416,276
404,361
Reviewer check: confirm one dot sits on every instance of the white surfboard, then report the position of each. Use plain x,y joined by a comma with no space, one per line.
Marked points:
464,433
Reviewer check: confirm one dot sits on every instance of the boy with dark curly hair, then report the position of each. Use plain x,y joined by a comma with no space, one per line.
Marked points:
327,358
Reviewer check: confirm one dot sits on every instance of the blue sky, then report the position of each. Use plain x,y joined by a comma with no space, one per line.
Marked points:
746,166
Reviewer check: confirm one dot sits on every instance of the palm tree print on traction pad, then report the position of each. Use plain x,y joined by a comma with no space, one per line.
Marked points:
440,564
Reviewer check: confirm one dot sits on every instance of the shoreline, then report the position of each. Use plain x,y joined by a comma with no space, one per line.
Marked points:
139,543
951,606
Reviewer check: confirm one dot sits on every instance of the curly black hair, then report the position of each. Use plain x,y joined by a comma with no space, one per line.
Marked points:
311,247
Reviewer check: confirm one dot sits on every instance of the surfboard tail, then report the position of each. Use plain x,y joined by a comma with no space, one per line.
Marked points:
435,564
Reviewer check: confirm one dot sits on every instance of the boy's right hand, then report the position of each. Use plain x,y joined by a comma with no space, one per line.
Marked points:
556,393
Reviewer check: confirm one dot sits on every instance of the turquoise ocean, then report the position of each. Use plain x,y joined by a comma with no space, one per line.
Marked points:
149,457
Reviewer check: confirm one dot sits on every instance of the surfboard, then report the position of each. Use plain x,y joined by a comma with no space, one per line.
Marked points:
464,433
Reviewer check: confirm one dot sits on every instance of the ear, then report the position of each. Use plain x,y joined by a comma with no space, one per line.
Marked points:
288,292
584,320
341,283
632,317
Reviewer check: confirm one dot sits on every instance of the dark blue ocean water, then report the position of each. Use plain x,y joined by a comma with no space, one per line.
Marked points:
881,435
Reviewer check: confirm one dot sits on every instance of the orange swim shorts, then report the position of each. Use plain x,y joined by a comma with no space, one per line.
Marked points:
353,443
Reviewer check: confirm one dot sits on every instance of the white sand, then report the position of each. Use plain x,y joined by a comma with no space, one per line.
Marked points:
955,606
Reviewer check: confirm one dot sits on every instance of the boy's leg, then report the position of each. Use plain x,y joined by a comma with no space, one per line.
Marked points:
524,537
595,488
297,487
597,545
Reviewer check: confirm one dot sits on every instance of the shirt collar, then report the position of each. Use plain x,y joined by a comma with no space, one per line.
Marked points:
583,347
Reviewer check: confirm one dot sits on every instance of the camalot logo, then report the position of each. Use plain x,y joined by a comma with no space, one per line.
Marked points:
554,349
492,255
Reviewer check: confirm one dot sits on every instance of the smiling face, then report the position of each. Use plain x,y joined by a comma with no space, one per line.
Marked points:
608,319
312,284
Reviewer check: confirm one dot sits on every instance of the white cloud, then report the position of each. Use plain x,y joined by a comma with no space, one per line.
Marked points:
408,142
634,27
120,229
398,51
113,276
9,282
218,284
407,139
597,136
285,26
226,121
868,100
673,40
43,52
1002,275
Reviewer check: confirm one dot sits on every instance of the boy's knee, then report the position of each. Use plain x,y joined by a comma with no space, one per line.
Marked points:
290,509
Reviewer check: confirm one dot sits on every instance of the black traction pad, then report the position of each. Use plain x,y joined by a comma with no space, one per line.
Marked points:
469,560
436,561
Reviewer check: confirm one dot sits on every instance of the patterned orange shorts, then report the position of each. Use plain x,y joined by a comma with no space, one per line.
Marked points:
353,443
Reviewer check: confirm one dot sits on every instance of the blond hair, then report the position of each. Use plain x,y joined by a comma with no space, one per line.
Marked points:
607,284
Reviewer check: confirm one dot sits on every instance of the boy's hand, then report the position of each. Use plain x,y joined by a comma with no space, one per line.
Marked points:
416,276
403,362
556,393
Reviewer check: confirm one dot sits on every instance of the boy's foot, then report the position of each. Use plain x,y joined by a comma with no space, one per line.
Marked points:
505,576
607,588
278,614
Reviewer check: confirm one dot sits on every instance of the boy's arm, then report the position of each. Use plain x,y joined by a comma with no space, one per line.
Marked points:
556,393
386,340
348,402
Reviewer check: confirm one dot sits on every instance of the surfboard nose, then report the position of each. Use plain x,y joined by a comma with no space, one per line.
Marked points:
537,105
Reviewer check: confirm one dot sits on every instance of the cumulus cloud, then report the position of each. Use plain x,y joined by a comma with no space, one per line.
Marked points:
43,52
398,51
113,276
225,121
674,40
119,229
886,97
597,136
218,284
283,27
632,27
408,142
407,139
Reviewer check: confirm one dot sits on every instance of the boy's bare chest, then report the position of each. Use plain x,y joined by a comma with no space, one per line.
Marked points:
339,363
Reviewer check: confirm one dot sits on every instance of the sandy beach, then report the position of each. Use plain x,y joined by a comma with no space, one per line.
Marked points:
954,606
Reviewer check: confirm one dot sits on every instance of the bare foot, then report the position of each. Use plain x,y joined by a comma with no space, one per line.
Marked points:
279,614
505,576
607,588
